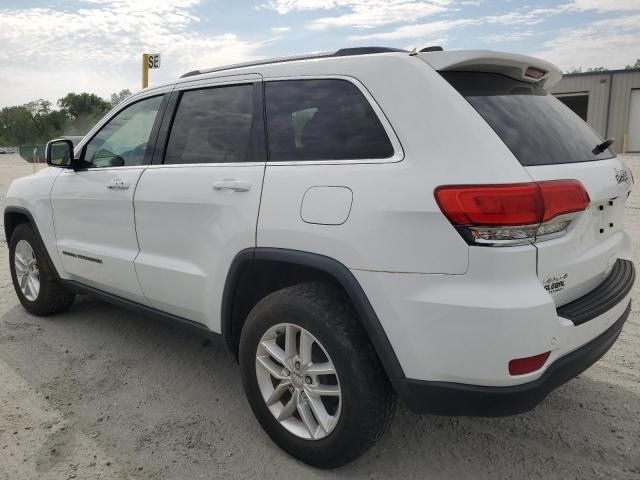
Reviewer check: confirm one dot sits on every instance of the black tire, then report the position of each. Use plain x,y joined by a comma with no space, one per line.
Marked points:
368,400
52,297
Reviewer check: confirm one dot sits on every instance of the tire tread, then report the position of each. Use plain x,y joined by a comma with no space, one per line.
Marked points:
332,305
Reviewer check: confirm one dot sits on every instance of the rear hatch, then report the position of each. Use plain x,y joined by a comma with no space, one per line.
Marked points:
551,143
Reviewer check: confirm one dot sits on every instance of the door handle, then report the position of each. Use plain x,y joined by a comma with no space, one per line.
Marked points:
233,185
117,184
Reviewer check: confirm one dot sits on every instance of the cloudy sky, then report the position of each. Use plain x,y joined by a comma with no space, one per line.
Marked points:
49,48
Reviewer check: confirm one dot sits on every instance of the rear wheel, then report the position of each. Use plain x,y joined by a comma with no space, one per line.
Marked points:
312,377
34,280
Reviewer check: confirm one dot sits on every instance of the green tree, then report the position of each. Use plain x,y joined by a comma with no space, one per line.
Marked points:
635,65
46,122
118,97
78,105
16,125
83,111
39,121
34,122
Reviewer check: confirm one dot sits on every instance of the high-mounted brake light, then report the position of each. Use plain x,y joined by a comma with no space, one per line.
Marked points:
535,73
510,214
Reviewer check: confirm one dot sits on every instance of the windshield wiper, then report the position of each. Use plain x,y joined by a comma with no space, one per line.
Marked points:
598,149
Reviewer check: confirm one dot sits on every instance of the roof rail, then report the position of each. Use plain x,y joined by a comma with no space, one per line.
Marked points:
435,48
343,52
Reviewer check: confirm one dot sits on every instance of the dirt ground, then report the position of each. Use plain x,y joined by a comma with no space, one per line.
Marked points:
99,392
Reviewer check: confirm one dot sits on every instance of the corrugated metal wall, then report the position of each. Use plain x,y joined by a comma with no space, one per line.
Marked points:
597,86
623,83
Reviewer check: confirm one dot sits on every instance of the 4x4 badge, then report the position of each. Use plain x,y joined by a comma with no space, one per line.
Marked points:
555,284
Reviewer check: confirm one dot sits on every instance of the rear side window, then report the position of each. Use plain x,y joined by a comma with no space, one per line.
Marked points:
213,125
322,120
537,127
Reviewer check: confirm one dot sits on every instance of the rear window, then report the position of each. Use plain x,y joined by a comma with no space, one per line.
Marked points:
536,126
322,119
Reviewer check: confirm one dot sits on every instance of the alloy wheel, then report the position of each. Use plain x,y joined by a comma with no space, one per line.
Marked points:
27,272
298,381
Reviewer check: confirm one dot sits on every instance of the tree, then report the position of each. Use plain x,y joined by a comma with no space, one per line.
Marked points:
16,125
635,65
34,122
39,107
83,111
46,122
39,121
602,69
116,98
78,105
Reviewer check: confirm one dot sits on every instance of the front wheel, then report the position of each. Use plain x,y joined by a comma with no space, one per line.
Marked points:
312,377
34,280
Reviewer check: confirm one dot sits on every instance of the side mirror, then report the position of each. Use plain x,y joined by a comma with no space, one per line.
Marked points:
59,153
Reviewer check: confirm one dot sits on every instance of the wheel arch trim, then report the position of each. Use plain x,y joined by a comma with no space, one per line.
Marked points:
8,229
330,266
32,222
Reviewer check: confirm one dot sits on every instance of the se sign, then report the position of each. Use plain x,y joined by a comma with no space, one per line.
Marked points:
153,60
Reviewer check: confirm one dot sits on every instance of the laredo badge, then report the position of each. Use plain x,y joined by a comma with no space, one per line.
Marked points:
622,176
555,284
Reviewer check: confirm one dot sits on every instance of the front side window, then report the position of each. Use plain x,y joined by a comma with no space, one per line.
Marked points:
322,119
122,142
213,125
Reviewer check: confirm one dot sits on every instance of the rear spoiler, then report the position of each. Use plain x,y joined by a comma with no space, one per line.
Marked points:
520,67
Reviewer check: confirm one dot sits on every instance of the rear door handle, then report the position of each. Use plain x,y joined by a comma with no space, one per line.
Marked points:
117,184
233,185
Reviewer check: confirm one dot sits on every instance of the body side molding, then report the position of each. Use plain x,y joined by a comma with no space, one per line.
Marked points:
82,289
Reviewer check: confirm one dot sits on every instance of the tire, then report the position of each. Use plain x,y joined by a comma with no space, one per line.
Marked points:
51,296
366,402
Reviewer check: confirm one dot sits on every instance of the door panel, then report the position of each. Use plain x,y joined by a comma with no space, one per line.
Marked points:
197,206
190,230
93,204
94,227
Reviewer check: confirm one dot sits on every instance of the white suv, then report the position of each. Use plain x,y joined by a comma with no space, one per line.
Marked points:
355,225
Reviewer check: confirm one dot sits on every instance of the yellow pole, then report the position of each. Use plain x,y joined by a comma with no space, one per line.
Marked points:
145,70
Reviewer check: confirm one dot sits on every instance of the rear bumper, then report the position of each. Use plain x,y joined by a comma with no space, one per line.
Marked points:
446,398
602,298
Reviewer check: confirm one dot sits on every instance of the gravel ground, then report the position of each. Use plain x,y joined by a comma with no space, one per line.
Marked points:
99,392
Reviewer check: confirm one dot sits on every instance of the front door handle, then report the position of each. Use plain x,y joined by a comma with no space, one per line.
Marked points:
117,184
233,185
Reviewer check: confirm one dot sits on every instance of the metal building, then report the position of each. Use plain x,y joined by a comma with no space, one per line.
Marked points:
609,101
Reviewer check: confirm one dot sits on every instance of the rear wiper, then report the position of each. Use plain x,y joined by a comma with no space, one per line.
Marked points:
598,149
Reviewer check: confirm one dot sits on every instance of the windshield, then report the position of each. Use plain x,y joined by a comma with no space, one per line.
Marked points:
536,126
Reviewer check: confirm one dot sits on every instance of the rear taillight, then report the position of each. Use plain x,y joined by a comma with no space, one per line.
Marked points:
511,214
